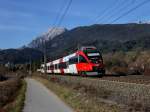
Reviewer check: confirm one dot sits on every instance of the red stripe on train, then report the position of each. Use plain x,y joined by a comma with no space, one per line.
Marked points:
61,69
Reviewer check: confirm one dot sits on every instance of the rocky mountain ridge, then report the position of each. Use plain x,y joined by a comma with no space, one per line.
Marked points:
106,37
49,35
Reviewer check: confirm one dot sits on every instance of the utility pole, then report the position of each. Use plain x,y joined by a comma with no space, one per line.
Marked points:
30,69
45,58
78,50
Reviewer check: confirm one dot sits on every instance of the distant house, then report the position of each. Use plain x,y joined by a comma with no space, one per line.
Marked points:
9,65
144,22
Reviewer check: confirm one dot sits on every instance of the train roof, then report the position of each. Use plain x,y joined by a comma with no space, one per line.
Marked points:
66,58
87,47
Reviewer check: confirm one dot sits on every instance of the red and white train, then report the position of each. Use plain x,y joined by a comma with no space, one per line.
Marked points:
86,61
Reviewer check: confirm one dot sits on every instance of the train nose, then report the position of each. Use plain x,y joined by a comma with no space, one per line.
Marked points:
98,66
101,65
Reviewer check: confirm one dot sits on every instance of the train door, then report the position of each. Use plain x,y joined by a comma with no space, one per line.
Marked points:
72,65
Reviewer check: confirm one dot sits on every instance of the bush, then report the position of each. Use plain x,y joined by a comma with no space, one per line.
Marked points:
2,77
119,70
131,56
131,63
8,90
18,103
147,71
116,59
3,70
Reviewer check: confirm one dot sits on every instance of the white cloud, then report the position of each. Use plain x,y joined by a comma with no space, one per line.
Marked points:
11,13
13,27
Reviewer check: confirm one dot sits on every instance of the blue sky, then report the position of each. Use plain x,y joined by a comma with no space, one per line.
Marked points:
22,20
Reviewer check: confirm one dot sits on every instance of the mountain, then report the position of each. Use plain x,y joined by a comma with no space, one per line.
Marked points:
52,33
20,55
106,37
32,51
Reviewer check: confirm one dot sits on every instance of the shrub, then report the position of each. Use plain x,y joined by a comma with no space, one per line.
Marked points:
8,90
131,56
147,71
116,59
3,69
132,62
119,70
2,77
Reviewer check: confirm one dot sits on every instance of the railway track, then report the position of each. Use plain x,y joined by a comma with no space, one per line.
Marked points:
137,79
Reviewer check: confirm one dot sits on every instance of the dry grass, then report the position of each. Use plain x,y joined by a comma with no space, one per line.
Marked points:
133,62
147,71
135,97
8,90
18,103
79,97
3,70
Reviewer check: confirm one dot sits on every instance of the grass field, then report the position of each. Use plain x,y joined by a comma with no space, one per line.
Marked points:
79,100
12,95
102,93
18,103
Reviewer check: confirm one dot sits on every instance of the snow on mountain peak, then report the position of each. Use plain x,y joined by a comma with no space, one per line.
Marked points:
50,34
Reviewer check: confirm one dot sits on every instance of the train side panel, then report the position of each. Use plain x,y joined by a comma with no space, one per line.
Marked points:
89,62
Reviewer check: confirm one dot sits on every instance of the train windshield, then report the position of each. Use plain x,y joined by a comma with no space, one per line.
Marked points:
93,55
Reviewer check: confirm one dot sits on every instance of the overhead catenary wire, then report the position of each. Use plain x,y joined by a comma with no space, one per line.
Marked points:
102,13
57,24
57,17
59,14
116,4
130,10
65,12
53,30
125,5
116,7
62,16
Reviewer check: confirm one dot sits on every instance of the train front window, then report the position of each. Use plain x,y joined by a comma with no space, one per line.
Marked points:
82,59
76,59
94,56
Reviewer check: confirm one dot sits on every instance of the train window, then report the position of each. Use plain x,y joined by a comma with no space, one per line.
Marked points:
51,67
73,60
55,66
46,67
82,59
62,65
